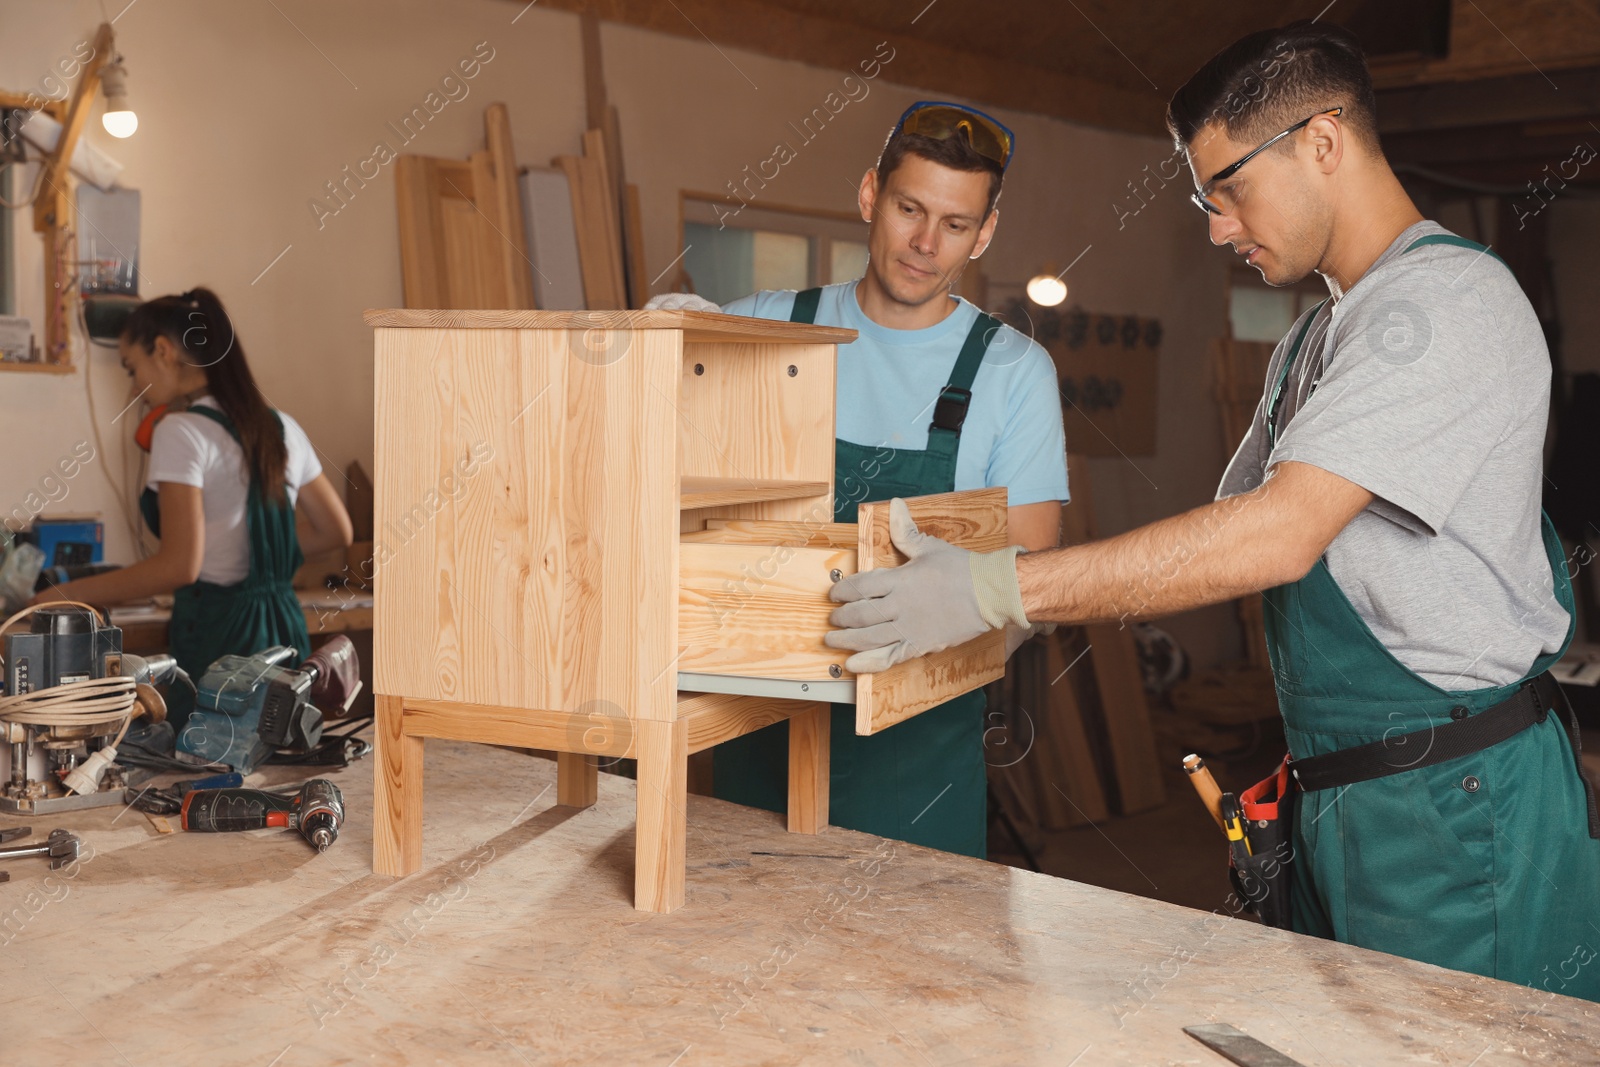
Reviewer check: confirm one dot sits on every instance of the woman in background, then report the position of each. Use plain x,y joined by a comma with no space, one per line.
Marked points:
227,474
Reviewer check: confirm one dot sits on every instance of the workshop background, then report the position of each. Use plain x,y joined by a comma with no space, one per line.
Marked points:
252,117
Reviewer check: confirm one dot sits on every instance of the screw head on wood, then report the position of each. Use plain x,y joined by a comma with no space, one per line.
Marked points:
834,575
793,370
699,368
834,670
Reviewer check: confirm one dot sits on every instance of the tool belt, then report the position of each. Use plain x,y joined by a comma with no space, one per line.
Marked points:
1463,736
1261,846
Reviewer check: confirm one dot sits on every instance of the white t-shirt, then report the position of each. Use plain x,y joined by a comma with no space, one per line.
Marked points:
194,450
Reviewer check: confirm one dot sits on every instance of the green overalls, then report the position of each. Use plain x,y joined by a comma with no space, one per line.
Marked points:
922,781
1482,863
209,620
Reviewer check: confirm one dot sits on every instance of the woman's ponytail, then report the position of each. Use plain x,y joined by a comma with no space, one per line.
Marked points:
200,327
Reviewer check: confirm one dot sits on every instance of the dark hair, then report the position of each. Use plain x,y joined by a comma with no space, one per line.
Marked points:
1268,81
199,326
952,152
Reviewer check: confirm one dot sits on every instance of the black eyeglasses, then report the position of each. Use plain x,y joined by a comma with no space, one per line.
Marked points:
1204,200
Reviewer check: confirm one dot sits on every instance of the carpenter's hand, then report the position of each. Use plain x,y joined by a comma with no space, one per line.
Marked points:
680,302
944,596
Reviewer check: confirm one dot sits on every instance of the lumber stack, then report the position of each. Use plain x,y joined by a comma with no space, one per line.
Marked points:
604,205
606,212
463,243
1074,700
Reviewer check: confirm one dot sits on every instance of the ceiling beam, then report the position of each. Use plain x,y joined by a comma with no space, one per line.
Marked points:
1532,97
822,42
1508,143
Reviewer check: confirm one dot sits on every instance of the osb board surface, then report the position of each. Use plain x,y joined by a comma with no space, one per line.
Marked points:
518,944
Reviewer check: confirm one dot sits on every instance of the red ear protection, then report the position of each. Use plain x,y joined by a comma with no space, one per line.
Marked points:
147,428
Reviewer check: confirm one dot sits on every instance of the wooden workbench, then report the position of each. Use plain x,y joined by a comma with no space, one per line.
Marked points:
144,626
517,943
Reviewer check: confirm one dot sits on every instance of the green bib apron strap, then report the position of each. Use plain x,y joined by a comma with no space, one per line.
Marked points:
1481,863
211,620
924,780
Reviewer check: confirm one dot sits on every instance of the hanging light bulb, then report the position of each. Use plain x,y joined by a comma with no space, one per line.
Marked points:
1046,290
119,119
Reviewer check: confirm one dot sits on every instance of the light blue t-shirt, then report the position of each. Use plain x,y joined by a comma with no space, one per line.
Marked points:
889,381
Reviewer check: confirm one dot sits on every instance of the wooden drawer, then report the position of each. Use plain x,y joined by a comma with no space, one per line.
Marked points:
753,607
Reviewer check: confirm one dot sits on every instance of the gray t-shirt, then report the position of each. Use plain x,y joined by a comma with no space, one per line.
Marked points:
1431,389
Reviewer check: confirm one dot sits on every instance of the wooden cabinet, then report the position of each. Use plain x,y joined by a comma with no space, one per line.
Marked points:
610,534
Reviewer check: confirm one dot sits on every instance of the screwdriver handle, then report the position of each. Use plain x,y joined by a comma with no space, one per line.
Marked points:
1206,786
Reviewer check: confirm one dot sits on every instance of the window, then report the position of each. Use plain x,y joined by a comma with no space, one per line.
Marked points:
767,248
1259,312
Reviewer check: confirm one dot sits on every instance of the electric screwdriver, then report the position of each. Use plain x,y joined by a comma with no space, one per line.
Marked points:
316,810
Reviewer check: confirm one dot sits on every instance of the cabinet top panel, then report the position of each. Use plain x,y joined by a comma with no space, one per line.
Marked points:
695,325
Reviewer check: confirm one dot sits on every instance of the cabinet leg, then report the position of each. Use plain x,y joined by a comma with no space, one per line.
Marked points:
577,780
397,791
658,873
808,769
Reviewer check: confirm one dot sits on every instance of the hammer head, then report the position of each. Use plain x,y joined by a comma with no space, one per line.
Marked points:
64,847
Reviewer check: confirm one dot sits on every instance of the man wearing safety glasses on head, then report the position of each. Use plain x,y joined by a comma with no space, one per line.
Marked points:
933,396
1386,501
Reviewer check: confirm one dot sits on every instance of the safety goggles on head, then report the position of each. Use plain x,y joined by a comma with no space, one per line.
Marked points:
941,121
1214,203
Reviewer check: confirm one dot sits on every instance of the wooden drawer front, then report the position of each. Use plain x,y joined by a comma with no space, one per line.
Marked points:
753,606
758,610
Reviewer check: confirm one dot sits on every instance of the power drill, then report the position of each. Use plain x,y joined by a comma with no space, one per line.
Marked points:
317,811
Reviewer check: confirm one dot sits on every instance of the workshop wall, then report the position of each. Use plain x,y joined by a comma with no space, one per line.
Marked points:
1574,237
245,115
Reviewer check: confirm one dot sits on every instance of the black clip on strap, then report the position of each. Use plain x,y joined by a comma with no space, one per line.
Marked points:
951,410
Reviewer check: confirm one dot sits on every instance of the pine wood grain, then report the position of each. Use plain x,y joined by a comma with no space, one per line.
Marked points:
974,519
597,292
456,250
397,791
759,410
577,780
713,718
658,871
583,732
809,769
604,199
700,327
758,610
720,492
775,532
633,229
515,263
540,582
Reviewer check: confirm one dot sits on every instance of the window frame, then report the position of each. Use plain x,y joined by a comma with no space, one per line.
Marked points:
819,226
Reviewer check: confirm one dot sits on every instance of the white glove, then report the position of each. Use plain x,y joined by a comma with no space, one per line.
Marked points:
944,596
680,302
1017,635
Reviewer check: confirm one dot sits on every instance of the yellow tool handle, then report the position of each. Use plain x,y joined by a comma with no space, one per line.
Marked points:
1206,786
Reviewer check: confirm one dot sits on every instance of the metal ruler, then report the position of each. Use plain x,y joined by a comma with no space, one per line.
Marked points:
1239,1046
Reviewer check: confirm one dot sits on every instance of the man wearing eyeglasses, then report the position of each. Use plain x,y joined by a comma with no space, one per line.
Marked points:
1386,501
933,396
